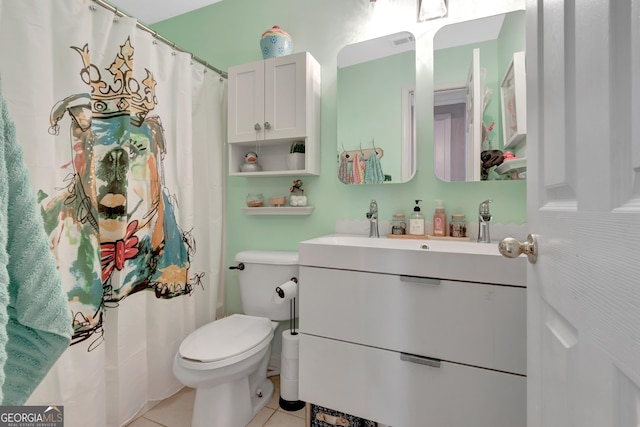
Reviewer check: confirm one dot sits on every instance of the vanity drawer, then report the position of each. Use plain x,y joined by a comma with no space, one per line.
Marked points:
379,385
471,323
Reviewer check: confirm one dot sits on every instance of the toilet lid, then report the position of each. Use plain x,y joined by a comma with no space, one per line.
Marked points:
225,338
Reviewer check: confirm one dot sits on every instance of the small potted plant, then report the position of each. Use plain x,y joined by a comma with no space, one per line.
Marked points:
295,159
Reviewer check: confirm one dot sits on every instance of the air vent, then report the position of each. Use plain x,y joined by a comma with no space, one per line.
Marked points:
403,40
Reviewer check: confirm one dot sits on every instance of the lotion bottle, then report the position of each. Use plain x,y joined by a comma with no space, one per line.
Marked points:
439,220
416,221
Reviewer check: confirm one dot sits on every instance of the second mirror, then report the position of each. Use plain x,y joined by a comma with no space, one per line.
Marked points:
479,98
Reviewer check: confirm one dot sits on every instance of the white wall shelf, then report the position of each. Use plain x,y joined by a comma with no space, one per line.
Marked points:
284,210
515,165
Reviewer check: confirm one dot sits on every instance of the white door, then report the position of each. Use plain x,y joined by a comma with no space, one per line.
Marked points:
245,120
287,90
474,118
583,154
442,145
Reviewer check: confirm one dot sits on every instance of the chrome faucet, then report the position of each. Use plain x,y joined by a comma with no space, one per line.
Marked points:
483,224
372,216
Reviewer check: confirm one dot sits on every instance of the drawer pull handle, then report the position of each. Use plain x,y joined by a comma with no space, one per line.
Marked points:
435,363
416,279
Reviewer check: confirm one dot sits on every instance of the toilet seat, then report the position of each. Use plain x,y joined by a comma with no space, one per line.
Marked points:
225,341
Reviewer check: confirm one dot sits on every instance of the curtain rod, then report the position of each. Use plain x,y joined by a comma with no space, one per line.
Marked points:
161,38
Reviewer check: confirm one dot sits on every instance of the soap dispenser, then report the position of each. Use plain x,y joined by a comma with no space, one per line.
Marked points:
439,220
416,221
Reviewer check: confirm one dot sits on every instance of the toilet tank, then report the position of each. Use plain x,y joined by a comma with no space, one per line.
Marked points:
263,272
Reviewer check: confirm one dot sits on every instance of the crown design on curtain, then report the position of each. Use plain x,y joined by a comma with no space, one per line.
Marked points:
126,96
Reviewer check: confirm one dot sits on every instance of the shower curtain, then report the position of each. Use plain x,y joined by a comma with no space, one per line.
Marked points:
123,139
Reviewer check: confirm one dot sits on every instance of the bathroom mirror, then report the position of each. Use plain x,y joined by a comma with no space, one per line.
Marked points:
478,77
375,105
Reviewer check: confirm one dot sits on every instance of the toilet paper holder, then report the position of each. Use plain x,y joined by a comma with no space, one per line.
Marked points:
280,290
290,294
289,398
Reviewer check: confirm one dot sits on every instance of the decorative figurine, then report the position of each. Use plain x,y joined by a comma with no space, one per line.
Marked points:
275,42
297,197
250,163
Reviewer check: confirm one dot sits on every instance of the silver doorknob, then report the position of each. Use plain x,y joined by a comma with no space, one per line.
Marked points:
257,126
513,248
267,125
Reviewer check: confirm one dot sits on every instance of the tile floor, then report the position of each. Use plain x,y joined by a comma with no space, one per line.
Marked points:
176,412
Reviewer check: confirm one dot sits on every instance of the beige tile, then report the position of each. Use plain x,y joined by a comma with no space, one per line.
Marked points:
274,402
261,417
299,413
275,380
143,422
283,419
175,411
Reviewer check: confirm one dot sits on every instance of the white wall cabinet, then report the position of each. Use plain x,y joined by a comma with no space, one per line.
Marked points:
413,351
273,103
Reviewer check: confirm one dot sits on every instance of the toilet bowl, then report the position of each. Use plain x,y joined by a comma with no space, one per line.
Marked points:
226,360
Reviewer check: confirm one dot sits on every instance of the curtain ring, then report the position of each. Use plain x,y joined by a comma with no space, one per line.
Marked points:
115,15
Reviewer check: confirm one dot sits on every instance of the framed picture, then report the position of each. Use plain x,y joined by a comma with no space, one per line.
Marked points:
513,95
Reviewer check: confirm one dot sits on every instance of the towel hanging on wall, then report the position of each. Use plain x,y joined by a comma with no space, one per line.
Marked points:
343,169
373,171
358,169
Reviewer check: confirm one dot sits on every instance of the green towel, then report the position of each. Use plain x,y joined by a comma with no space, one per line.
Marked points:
373,171
35,321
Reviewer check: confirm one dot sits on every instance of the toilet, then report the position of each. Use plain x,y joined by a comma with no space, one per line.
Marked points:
226,360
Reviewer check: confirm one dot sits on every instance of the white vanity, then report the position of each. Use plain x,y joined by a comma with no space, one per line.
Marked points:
413,333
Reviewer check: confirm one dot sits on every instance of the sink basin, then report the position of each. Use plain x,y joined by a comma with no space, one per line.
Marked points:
407,244
443,259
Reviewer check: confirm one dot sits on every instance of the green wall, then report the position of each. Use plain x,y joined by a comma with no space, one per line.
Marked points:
511,39
228,33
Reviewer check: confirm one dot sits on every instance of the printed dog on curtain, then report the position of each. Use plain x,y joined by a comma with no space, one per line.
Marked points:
113,227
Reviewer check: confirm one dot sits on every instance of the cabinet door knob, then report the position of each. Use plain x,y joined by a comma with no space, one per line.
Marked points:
257,126
267,125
